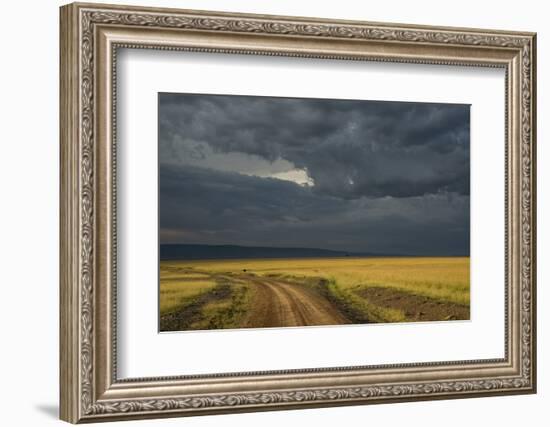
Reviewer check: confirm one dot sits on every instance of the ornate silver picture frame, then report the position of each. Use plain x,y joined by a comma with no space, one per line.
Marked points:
91,36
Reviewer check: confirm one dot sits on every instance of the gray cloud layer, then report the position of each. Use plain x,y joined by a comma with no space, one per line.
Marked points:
387,177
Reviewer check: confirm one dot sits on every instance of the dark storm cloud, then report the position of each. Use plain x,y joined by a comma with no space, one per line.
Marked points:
350,149
212,207
382,177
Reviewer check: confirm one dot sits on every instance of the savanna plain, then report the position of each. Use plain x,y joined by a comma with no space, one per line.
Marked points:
262,293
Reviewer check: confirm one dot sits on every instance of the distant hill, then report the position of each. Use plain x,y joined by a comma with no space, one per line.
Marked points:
180,251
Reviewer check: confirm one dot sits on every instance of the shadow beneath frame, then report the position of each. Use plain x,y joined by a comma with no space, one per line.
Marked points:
50,410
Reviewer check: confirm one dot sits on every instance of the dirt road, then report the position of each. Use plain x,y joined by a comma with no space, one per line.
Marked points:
277,303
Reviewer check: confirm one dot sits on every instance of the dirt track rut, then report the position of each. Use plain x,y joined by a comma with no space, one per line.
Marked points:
277,303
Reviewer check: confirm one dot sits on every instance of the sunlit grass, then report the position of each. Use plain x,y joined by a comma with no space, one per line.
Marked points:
445,278
227,313
179,288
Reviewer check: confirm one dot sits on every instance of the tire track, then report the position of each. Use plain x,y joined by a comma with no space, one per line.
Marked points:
278,303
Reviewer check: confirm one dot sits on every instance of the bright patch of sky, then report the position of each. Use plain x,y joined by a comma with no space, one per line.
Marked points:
202,155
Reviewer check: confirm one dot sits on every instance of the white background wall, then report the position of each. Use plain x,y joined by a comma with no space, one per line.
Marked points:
29,170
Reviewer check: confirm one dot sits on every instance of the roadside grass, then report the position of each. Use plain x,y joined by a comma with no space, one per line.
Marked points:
227,313
356,304
445,279
179,288
175,295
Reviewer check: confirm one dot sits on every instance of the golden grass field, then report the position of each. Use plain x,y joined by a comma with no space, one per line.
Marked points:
393,289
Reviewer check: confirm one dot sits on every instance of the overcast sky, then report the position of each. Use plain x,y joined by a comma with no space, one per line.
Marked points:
366,176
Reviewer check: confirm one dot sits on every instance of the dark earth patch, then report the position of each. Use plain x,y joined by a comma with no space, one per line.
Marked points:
346,308
183,318
417,308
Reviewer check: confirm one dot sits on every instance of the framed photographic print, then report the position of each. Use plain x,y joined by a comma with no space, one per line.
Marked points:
265,212
339,190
